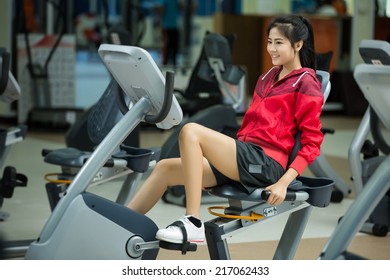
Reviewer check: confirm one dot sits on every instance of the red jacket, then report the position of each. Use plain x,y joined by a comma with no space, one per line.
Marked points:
278,110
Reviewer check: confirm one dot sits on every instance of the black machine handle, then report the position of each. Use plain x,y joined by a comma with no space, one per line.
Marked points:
4,70
290,195
379,139
168,97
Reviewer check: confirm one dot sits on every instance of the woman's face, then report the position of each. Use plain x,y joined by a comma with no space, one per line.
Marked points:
281,51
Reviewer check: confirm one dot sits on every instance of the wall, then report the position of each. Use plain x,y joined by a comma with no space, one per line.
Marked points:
363,13
5,23
266,6
5,42
250,46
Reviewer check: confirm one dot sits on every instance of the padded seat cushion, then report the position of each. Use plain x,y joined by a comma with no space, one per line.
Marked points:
319,190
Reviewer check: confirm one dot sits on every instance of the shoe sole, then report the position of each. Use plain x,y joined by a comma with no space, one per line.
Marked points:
175,241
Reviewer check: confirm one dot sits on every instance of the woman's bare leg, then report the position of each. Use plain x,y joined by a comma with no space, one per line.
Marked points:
167,172
199,147
198,142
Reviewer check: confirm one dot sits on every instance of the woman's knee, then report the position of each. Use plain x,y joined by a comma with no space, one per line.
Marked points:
166,171
189,132
163,166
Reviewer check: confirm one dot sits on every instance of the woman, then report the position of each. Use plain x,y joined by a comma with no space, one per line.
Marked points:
287,98
170,11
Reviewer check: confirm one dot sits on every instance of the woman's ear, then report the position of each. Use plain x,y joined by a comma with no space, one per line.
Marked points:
298,45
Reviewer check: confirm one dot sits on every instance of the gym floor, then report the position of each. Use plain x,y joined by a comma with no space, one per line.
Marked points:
29,207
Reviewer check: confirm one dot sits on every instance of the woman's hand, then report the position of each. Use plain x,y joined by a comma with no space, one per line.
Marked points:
278,190
277,193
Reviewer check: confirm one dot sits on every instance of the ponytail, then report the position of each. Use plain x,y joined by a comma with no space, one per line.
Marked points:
307,55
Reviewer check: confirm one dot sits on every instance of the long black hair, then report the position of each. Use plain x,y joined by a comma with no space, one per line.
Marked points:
296,28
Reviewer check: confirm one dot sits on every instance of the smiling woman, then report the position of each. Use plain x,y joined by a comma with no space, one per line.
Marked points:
282,53
287,99
297,33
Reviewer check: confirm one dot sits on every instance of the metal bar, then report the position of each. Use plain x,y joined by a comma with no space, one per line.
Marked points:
96,161
374,190
292,234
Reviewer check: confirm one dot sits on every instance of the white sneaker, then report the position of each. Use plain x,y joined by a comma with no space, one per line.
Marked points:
174,233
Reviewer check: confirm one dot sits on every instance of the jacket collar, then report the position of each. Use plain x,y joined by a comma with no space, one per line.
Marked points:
299,73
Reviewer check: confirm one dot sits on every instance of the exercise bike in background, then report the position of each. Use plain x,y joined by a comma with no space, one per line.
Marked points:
215,79
89,130
373,79
366,156
9,92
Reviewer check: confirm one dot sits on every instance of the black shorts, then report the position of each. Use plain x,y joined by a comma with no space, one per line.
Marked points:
256,169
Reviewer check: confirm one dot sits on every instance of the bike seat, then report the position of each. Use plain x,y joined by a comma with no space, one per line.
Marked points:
319,191
138,159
